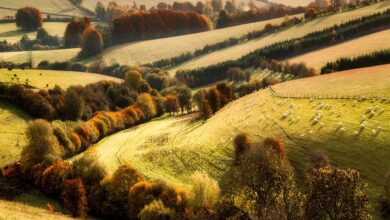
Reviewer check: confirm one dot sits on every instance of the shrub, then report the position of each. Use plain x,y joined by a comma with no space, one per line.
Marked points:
204,191
336,194
73,105
53,178
118,187
29,19
11,182
156,210
91,42
144,193
74,197
241,145
42,145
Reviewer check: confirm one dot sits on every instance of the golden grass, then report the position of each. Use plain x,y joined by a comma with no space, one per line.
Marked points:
172,148
40,55
41,78
45,6
352,48
235,52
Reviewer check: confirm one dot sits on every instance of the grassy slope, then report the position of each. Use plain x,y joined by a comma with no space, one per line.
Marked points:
145,51
14,121
12,131
172,148
294,3
300,30
9,31
352,48
53,77
63,7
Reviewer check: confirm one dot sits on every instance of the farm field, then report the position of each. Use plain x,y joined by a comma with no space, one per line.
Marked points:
10,33
41,78
64,8
235,52
172,148
294,3
351,48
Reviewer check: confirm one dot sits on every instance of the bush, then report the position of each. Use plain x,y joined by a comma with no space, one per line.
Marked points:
336,194
11,182
42,145
144,193
53,178
241,145
29,19
156,210
204,191
74,197
91,42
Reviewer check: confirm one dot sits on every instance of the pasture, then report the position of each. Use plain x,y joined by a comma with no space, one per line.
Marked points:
352,48
352,132
235,52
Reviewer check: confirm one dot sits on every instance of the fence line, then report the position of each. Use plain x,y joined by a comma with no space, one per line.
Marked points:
327,96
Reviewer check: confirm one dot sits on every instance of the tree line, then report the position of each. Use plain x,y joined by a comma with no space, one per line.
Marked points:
346,63
280,50
269,28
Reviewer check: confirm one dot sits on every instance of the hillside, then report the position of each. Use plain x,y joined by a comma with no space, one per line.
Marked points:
144,51
355,47
172,148
41,78
10,33
296,31
58,8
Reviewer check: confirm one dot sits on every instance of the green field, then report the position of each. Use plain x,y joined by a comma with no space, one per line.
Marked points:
235,52
352,48
41,78
55,7
9,31
172,148
12,131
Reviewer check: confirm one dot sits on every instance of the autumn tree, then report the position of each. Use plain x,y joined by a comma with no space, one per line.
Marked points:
74,197
184,96
100,11
217,5
199,8
206,110
311,13
199,97
91,43
42,147
336,193
213,97
241,145
226,93
269,177
73,105
171,104
29,19
146,103
230,7
74,32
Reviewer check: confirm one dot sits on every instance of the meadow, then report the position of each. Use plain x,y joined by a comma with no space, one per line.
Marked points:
172,148
64,8
355,47
10,33
235,52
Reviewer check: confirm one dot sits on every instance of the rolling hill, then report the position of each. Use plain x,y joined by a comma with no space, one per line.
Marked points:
355,47
10,33
14,121
235,52
57,8
172,148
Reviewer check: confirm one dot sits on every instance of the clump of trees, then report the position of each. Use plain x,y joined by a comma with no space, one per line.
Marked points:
74,32
346,63
91,42
29,19
156,24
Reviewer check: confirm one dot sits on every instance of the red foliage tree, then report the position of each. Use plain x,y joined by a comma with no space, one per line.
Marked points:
91,43
74,197
29,18
74,32
157,23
